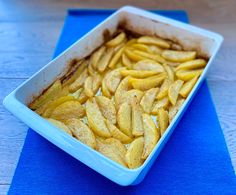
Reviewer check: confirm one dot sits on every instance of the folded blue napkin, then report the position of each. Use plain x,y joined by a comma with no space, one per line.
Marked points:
194,161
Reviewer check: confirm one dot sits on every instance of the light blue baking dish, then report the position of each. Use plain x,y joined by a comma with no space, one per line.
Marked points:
190,37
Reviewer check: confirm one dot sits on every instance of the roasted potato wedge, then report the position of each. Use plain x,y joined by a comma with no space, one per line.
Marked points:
128,96
107,108
147,83
155,57
155,49
163,103
148,65
163,120
52,105
82,98
82,132
154,41
79,81
124,118
140,46
148,99
126,62
105,90
116,57
151,135
137,123
187,87
138,73
186,75
118,134
96,56
95,119
164,89
193,64
133,56
47,95
117,40
88,87
110,151
105,60
121,89
59,125
75,72
67,110
113,79
179,56
134,154
173,91
175,108
170,72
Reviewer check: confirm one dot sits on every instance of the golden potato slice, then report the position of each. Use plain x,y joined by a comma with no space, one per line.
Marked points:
173,64
179,56
59,125
105,90
116,57
148,65
76,94
79,81
128,96
140,46
110,151
155,57
73,74
187,87
82,132
131,42
170,72
173,91
186,75
132,56
147,83
64,92
96,56
91,70
107,108
163,103
95,119
113,79
151,135
163,120
121,89
105,59
174,109
138,73
47,95
154,41
67,110
126,62
164,89
88,87
124,118
97,80
117,40
117,134
155,49
134,154
193,64
137,123
82,98
52,105
148,99
118,146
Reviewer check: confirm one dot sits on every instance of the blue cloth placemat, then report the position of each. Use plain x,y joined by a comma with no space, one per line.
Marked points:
194,161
